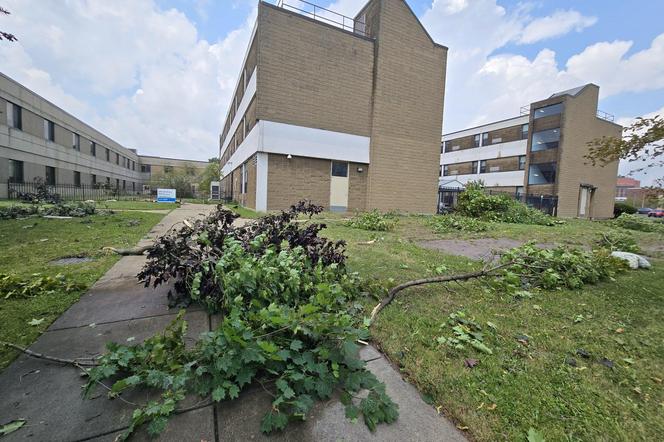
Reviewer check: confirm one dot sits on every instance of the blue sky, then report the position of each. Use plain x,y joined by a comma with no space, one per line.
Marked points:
159,73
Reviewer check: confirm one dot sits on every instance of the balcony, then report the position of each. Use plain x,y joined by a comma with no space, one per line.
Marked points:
324,15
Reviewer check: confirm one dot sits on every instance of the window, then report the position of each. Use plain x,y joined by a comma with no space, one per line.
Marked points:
108,181
440,171
49,130
93,149
133,186
76,141
545,139
108,154
77,179
522,162
133,165
339,169
94,179
443,145
446,170
245,178
519,190
473,166
483,166
124,184
544,173
476,141
15,171
485,138
117,183
524,131
14,116
168,169
117,159
145,168
50,176
553,109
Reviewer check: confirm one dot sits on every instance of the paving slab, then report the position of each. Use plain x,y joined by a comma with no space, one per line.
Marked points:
195,426
239,420
48,395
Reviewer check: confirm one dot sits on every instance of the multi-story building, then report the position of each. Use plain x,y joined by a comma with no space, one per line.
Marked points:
154,169
346,112
40,140
540,153
625,186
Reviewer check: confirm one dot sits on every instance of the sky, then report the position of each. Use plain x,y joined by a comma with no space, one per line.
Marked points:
158,75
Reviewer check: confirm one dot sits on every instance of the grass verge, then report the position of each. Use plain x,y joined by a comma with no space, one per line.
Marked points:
543,381
244,212
29,245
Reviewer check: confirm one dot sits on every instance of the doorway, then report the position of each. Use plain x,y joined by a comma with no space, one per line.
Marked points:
339,186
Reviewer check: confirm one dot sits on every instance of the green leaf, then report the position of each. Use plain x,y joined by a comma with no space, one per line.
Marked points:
481,347
296,345
157,425
34,321
218,394
12,426
535,436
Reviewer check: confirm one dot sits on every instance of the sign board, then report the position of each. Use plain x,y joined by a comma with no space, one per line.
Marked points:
166,195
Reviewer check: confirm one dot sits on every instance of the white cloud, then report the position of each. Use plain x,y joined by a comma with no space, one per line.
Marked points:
147,78
555,25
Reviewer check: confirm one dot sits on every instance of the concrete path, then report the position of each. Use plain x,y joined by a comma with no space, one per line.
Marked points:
48,395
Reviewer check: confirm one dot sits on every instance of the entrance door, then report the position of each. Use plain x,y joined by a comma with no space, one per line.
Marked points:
583,201
339,186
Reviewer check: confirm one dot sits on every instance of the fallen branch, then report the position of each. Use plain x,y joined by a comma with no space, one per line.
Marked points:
87,362
436,279
136,251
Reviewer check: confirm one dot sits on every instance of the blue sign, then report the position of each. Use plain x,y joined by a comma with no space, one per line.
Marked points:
166,195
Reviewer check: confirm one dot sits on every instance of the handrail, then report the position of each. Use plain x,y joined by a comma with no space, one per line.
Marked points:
524,110
606,116
322,14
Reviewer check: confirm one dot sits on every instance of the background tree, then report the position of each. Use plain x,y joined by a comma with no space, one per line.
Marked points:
210,174
642,141
6,35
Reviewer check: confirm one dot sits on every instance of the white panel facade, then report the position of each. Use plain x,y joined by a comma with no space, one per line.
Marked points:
241,110
491,179
487,128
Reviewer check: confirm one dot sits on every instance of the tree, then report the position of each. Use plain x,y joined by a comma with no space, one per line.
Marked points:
211,173
641,141
6,35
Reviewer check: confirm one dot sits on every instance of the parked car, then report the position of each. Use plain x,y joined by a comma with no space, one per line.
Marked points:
644,210
657,213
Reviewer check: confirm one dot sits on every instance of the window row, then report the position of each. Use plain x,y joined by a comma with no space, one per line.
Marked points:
487,139
16,175
485,166
15,120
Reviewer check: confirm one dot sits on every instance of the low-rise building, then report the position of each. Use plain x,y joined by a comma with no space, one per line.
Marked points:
39,140
343,111
540,153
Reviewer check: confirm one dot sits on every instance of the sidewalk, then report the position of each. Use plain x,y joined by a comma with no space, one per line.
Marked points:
48,395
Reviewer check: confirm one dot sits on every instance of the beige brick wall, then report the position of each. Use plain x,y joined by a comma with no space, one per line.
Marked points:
312,75
357,186
291,180
581,126
409,87
507,134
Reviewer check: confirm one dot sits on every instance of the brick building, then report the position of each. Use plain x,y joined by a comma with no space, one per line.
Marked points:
346,112
540,153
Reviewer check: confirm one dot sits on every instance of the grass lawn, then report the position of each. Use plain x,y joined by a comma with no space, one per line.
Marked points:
117,205
532,385
28,245
244,212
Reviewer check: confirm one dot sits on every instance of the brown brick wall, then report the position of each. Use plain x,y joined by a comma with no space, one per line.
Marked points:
460,169
291,180
312,75
250,196
409,87
544,156
581,126
544,123
504,164
463,143
506,135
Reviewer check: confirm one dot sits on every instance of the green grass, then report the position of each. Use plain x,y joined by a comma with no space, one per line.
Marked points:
29,245
520,387
117,205
244,212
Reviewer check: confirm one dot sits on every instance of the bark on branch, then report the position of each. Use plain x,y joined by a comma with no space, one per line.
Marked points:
85,362
436,279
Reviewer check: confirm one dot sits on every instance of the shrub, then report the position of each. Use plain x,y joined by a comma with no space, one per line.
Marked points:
13,212
476,203
290,321
451,223
619,208
373,220
618,241
638,223
531,267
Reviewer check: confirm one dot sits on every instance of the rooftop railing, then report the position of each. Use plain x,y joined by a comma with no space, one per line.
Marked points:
324,15
606,116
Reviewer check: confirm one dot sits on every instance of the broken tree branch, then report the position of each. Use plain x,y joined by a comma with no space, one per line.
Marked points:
87,362
486,271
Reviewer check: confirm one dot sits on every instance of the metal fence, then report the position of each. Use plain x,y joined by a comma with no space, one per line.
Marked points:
448,199
71,192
